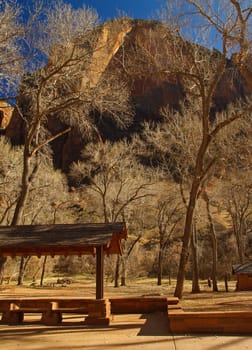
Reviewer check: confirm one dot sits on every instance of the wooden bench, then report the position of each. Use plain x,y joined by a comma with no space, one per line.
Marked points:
13,311
51,309
210,322
97,311
141,304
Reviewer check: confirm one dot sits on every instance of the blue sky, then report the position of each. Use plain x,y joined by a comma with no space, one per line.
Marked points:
108,9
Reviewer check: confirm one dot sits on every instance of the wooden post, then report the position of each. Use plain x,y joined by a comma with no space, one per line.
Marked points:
99,272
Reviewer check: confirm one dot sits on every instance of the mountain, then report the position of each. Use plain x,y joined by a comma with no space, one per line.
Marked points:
150,90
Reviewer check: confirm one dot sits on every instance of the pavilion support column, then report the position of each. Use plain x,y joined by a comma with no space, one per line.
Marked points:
99,310
99,272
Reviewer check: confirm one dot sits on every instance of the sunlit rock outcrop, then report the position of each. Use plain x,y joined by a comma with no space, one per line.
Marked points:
5,114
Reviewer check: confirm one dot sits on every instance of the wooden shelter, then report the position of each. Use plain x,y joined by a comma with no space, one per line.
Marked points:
65,239
243,273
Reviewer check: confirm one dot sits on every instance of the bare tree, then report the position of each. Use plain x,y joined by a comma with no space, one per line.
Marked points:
56,90
113,174
40,90
237,201
125,256
213,241
58,43
11,57
140,218
48,187
10,169
169,214
117,181
200,71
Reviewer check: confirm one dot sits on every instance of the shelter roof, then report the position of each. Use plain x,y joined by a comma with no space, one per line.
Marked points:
243,269
61,239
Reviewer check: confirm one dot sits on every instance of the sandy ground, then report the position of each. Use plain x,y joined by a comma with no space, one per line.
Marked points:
125,332
206,300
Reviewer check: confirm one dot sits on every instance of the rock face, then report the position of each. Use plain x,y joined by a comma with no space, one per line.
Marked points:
116,52
5,115
111,39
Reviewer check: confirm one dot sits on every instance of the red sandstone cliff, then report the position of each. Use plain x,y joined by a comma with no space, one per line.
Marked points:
116,53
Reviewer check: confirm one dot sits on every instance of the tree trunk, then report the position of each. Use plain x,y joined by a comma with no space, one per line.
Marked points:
43,271
214,243
117,271
20,206
226,282
196,182
195,264
160,266
186,238
21,271
124,259
24,190
169,277
123,271
22,268
35,274
2,263
239,242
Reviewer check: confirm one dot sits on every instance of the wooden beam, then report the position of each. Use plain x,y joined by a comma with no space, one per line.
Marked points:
48,250
99,272
114,245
